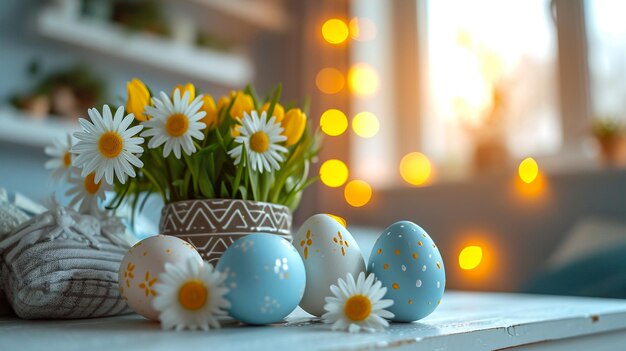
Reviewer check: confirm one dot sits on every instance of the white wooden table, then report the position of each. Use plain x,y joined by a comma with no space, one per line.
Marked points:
464,321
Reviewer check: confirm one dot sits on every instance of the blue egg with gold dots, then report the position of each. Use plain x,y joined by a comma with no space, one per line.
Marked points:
407,262
265,278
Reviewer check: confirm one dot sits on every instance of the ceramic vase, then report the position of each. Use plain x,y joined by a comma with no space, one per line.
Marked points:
214,224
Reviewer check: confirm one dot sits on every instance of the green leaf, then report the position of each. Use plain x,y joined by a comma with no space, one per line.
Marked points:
206,188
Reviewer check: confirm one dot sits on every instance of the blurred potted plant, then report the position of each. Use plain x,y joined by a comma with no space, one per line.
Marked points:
223,170
65,92
610,136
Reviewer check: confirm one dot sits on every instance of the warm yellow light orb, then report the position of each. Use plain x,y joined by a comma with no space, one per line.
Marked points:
362,29
357,193
470,257
335,31
363,79
329,80
333,122
415,168
333,173
528,170
365,124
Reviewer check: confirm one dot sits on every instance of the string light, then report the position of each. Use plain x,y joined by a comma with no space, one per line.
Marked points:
329,80
363,79
333,173
528,170
333,122
357,193
415,168
335,31
470,257
365,124
362,29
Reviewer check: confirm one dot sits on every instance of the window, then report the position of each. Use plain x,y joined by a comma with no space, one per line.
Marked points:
490,81
606,43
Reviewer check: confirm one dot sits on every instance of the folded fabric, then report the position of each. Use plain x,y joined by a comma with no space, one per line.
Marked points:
64,265
11,216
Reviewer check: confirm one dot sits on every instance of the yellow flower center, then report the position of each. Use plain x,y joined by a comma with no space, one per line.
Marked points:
259,142
193,295
358,308
90,185
177,124
67,159
110,144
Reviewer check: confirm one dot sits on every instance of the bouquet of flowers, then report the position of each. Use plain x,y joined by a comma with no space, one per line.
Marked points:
186,146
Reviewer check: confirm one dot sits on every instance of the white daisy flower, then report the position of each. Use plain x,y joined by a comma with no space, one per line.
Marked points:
357,305
85,193
61,162
175,123
107,146
190,296
260,137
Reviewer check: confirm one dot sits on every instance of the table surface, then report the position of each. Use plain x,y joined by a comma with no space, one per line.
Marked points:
469,321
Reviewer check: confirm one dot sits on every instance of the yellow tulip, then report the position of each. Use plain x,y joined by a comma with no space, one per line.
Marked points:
186,88
243,103
279,111
138,99
293,124
234,131
208,106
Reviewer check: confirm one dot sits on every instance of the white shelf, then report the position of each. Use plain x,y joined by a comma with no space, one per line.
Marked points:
263,14
19,128
229,69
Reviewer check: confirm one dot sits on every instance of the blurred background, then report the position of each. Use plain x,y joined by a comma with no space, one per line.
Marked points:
496,125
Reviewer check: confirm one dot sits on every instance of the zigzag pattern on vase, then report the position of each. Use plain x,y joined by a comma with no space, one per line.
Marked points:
211,226
218,216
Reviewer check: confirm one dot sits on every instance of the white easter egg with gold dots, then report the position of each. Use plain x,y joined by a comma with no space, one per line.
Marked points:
142,265
329,252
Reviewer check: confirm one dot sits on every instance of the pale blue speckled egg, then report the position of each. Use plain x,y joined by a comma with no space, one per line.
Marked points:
407,262
266,278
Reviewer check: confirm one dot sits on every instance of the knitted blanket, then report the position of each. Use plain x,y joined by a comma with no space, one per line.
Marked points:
63,265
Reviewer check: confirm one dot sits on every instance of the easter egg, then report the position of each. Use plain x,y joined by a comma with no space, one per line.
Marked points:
265,278
329,252
407,262
142,265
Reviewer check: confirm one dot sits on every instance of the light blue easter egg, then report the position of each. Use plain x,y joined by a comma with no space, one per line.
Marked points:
266,278
407,262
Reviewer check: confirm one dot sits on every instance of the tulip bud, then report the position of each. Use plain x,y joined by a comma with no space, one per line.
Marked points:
279,111
138,99
208,106
243,103
293,124
186,88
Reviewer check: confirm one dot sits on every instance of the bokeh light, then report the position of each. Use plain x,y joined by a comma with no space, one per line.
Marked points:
365,124
363,79
357,193
335,31
333,122
415,168
329,80
341,220
528,170
333,173
470,257
362,29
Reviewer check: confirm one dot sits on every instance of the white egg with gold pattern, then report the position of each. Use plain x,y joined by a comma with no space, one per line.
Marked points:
329,252
142,265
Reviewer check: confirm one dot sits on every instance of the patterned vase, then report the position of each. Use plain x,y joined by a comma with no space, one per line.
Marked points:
212,225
